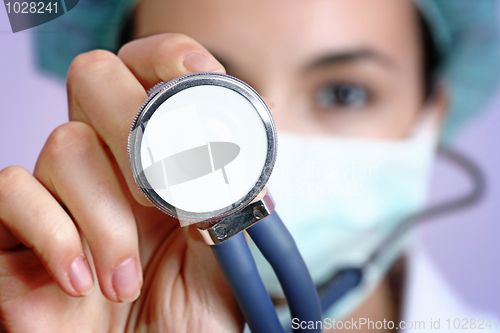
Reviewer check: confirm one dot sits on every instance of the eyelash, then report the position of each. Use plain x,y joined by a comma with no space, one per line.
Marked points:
337,95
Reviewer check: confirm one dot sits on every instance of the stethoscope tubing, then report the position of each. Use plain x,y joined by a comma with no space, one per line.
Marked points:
348,278
278,246
238,267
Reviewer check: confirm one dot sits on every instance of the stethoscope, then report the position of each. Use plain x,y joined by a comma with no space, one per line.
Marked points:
201,149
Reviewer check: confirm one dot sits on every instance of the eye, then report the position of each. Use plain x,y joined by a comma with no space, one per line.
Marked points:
347,95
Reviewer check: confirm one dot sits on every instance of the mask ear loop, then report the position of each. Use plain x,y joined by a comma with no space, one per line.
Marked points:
347,279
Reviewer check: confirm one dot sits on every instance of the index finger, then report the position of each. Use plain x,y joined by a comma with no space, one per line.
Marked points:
106,91
164,57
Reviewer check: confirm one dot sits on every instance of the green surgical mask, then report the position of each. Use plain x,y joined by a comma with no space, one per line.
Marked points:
340,198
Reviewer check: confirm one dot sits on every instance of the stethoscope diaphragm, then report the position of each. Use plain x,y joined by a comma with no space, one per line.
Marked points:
202,146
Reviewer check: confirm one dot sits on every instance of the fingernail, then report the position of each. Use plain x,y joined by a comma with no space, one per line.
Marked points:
271,106
195,63
126,281
80,276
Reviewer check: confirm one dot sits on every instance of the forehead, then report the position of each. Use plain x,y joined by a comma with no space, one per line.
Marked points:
300,29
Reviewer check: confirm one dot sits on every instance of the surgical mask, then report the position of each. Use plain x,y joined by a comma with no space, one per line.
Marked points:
340,198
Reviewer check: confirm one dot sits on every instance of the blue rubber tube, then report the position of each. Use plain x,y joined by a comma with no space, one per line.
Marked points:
343,282
239,269
278,246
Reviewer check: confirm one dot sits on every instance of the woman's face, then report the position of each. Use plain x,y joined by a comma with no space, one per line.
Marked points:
343,67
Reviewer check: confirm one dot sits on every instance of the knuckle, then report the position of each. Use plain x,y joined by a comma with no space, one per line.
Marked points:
69,139
10,179
172,48
90,63
174,44
161,45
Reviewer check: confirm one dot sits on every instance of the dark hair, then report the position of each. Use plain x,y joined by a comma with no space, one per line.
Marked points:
127,30
431,57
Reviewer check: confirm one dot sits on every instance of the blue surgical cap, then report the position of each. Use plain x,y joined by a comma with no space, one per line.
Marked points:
465,31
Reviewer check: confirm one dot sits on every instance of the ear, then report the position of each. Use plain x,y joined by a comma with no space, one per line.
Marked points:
438,103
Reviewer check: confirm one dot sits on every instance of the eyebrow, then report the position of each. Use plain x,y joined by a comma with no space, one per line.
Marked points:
350,56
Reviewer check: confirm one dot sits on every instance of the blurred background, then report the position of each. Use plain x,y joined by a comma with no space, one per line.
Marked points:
463,246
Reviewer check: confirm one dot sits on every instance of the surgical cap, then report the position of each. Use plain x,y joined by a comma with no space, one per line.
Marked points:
465,32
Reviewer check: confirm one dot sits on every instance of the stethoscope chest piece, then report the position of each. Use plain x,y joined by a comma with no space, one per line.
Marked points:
202,147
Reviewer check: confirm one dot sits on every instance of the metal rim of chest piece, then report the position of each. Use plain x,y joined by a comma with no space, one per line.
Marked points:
163,91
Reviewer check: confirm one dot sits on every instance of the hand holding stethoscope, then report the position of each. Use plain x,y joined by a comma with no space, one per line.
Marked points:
83,205
202,149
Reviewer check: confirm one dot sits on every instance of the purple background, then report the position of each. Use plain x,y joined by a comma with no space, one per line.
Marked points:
465,244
